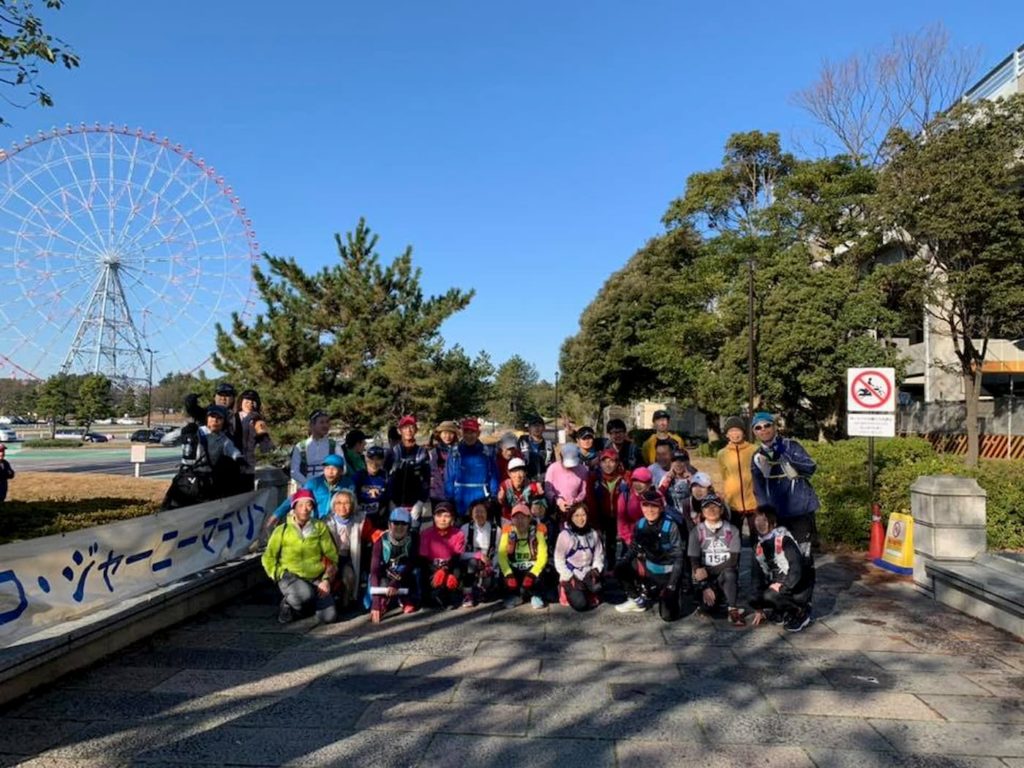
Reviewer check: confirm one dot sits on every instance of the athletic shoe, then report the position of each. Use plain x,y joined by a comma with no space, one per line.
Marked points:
799,621
634,605
537,602
736,618
284,614
468,601
513,602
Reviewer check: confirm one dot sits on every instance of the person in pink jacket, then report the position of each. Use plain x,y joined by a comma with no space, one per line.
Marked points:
565,483
629,511
441,547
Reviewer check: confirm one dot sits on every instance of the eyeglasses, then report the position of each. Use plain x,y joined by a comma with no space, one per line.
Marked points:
762,427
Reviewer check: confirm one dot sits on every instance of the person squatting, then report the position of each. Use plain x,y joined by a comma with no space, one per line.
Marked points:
456,523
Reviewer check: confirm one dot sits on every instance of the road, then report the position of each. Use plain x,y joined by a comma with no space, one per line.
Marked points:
161,462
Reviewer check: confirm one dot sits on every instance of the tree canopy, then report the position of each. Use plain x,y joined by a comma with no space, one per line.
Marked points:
25,45
357,339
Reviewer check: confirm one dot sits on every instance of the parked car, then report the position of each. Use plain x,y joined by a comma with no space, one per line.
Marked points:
146,436
8,435
128,422
94,437
172,438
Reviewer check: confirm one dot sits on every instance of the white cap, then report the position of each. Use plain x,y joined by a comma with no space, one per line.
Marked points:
516,463
702,479
570,455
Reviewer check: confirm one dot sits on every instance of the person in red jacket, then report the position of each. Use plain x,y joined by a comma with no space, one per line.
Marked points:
609,484
441,548
516,490
629,512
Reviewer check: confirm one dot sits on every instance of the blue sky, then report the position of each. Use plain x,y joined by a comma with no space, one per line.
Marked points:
524,149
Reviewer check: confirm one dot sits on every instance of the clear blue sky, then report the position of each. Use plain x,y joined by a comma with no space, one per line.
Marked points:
524,149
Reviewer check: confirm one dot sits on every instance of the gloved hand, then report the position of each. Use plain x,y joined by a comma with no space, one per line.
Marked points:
439,578
452,582
511,583
528,581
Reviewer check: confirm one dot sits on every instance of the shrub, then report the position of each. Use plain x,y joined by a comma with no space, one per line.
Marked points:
842,486
48,443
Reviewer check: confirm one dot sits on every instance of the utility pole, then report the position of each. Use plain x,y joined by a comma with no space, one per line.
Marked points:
149,409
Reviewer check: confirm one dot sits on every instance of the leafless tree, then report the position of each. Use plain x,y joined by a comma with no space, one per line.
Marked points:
902,85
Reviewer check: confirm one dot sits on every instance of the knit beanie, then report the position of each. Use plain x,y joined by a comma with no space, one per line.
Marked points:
734,422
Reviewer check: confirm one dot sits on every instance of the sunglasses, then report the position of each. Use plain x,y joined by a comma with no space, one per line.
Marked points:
762,427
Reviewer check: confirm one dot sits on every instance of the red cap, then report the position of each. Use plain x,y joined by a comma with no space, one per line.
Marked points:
470,424
407,421
520,509
303,493
610,453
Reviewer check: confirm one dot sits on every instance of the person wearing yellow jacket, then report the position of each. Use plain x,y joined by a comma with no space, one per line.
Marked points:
302,559
522,555
734,460
661,421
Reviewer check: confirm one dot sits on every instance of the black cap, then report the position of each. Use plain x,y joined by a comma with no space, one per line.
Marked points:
217,410
226,388
375,452
535,421
680,455
712,499
652,496
354,436
661,414
583,432
734,422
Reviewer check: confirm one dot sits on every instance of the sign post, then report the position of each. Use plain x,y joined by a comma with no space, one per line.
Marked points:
871,409
138,458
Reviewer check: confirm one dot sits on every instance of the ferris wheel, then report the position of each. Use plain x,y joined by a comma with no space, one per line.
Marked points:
116,247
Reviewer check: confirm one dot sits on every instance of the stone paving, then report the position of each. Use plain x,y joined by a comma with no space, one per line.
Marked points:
884,677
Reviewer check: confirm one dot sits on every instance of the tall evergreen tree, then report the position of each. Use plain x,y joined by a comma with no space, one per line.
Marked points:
357,339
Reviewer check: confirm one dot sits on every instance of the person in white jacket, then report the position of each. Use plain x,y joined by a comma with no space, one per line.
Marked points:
480,578
346,524
579,561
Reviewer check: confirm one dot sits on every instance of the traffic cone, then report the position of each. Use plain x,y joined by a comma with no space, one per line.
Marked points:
877,533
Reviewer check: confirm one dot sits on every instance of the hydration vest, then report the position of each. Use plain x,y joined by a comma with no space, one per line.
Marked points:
303,461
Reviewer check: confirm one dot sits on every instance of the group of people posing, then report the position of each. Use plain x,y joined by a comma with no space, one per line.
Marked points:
452,521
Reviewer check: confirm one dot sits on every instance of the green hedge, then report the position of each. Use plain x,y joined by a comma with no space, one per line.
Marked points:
842,485
48,443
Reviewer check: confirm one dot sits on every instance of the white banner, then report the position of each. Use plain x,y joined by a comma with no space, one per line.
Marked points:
55,578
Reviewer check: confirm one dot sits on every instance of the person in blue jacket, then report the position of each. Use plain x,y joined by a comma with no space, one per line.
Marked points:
781,470
323,487
470,473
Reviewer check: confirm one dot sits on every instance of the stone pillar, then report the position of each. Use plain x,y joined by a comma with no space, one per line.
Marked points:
949,523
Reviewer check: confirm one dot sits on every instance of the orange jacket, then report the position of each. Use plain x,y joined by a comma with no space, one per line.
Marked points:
737,480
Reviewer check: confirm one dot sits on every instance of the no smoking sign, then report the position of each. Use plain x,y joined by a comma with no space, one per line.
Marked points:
870,390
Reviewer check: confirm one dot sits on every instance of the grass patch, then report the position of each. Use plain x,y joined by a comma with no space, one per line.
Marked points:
47,503
48,443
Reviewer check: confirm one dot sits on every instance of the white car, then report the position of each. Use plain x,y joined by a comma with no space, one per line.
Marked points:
126,422
8,435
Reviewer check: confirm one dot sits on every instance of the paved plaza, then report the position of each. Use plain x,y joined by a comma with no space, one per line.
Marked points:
884,677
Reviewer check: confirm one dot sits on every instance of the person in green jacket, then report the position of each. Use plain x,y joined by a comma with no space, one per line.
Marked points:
302,559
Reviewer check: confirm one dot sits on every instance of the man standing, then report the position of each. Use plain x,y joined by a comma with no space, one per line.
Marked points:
308,455
661,433
470,473
735,461
538,452
629,453
782,471
408,471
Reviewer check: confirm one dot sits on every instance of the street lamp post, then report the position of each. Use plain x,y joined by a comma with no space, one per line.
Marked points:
149,409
